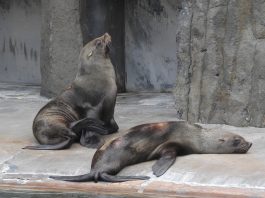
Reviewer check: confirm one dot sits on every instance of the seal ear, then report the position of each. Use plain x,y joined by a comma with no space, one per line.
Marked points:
98,43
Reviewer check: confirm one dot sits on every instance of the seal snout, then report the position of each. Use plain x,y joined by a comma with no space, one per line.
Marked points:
106,38
249,145
244,147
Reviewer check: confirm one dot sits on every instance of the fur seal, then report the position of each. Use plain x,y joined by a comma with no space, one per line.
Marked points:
84,109
163,141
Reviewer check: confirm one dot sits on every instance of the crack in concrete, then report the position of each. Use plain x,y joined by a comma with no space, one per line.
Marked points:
5,165
221,71
203,61
190,69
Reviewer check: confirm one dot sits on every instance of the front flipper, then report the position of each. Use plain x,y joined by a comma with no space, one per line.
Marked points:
167,158
89,124
90,139
111,126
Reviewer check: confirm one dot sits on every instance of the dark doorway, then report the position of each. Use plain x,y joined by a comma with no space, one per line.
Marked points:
100,16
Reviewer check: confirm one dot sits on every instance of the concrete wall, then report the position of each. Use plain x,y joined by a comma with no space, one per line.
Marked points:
60,45
150,47
65,25
20,41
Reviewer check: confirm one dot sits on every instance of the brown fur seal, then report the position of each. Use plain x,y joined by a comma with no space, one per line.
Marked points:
163,141
88,103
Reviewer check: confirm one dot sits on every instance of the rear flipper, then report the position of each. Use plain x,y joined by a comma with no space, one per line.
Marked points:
89,124
114,178
78,178
63,145
91,140
99,177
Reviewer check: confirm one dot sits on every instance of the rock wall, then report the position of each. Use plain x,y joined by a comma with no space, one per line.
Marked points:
61,42
220,62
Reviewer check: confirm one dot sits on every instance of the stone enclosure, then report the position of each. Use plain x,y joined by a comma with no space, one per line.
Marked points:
208,52
220,61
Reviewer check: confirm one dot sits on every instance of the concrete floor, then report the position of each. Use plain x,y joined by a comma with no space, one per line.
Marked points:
24,172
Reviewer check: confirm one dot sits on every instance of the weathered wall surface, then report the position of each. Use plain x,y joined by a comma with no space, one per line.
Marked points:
221,65
150,47
61,42
20,41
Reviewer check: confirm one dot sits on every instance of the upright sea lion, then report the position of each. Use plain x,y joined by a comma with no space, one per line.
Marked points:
85,107
163,141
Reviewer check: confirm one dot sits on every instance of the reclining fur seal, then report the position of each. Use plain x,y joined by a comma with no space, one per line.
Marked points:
86,107
163,141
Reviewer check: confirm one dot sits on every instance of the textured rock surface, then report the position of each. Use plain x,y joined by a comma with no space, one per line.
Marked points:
220,53
60,45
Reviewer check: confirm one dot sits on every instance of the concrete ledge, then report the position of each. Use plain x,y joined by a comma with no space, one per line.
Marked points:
125,189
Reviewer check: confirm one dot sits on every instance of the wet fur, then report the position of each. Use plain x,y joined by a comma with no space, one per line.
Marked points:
163,141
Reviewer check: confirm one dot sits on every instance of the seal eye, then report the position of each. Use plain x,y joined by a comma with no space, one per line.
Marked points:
98,43
221,140
236,142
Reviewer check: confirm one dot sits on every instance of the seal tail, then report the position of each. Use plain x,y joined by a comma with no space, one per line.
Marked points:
114,178
78,178
63,145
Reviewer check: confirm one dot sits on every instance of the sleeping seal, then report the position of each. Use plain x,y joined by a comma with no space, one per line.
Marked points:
163,141
84,109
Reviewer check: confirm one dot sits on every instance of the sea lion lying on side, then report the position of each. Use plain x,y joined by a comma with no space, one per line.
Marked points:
163,141
86,108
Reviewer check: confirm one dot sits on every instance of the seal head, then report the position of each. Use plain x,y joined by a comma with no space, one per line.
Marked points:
226,142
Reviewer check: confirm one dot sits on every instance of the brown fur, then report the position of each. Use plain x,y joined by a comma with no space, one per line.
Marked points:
86,107
163,141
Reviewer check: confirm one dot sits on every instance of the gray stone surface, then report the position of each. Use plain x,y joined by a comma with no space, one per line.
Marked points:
220,74
20,41
150,52
61,42
20,168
